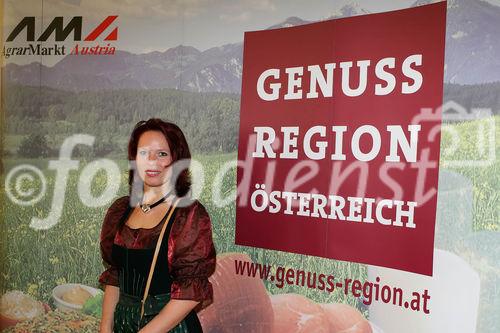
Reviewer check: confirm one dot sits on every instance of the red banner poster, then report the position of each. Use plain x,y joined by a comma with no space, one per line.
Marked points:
339,138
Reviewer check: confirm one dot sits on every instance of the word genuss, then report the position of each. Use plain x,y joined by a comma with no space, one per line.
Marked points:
315,141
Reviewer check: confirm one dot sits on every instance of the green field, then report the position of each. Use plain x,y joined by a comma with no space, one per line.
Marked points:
36,261
69,252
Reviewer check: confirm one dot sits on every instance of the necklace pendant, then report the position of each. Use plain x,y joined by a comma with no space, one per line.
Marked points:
145,208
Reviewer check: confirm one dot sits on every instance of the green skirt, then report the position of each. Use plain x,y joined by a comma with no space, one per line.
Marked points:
127,315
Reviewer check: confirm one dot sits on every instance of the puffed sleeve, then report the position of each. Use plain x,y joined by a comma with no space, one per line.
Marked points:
108,231
191,255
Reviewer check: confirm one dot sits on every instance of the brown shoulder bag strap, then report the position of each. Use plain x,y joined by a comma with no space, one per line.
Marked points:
155,257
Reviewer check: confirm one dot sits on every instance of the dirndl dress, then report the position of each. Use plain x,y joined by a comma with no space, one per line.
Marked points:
134,265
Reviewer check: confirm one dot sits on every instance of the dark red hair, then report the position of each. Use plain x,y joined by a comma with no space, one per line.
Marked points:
178,148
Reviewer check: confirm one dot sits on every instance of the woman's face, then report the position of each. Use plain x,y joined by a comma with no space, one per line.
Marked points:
153,158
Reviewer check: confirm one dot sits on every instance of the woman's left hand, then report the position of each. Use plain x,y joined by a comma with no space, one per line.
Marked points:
170,316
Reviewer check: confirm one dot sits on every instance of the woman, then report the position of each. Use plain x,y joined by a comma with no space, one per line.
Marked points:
132,227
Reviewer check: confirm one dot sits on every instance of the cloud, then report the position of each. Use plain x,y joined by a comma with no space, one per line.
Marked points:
245,5
135,9
242,17
243,10
97,9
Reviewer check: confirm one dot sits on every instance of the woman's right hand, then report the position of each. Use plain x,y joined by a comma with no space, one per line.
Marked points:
111,296
105,330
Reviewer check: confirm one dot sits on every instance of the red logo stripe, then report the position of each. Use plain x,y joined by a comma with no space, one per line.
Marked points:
100,28
113,35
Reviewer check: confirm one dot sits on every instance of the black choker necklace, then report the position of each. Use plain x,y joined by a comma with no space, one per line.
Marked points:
146,208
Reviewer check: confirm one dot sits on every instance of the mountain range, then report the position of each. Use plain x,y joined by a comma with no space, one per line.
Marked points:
472,49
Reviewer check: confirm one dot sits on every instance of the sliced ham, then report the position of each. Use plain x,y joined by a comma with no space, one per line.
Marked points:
294,313
241,304
344,318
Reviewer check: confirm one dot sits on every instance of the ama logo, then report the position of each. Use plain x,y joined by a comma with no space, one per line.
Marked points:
89,45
